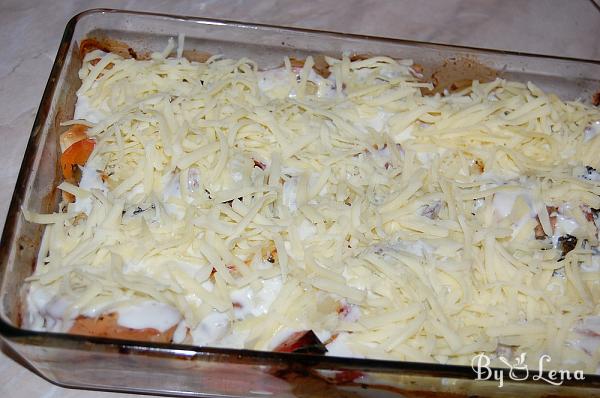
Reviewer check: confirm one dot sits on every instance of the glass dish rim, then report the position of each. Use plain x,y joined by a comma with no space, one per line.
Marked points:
9,332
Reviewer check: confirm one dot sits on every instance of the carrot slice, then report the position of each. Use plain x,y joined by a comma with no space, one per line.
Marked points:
76,155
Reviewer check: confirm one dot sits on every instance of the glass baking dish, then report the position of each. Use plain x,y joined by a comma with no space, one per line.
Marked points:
108,364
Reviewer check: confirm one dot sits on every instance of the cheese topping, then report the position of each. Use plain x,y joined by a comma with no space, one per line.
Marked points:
252,203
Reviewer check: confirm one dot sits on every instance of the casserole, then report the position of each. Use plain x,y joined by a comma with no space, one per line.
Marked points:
64,358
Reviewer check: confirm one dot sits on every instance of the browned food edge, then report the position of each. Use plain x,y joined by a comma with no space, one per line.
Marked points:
107,325
453,74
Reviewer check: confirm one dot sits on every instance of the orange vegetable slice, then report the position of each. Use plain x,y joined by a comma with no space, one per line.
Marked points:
76,155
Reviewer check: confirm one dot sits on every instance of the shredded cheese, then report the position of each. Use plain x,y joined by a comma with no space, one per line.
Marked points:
352,191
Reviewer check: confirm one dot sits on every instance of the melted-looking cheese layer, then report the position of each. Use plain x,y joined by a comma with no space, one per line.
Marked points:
400,223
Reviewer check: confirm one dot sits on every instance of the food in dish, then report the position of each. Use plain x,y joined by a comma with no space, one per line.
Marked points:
323,206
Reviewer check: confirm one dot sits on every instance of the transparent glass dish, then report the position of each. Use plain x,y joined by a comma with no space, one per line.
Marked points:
108,364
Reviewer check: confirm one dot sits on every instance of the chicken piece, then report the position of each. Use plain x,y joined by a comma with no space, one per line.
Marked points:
456,74
109,46
417,69
596,99
107,326
359,57
321,67
196,56
539,231
89,45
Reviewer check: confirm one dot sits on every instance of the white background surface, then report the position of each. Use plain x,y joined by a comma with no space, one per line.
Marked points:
31,31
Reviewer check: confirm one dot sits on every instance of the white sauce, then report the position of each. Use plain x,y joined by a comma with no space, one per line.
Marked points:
84,110
212,329
564,226
236,167
90,179
279,83
290,188
504,201
426,158
148,314
340,347
404,135
478,204
172,189
193,182
99,307
255,303
591,131
306,230
379,121
352,313
594,266
280,337
236,339
323,335
275,82
236,176
592,175
45,311
325,87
